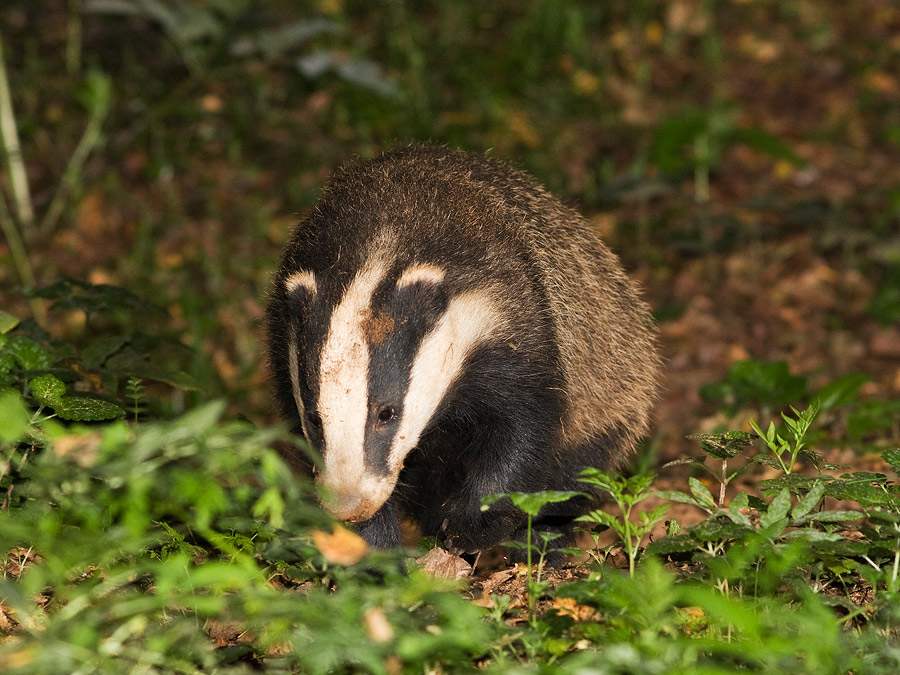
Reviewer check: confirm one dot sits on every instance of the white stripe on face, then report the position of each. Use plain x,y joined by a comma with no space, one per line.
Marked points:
304,280
294,369
344,393
469,320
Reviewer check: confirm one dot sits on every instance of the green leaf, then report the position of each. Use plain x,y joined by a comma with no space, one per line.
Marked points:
740,502
724,446
677,496
841,391
7,322
872,417
892,457
736,509
76,408
101,349
777,512
274,42
795,482
14,417
863,488
47,389
601,517
811,535
758,382
702,494
830,517
69,294
886,517
50,391
653,516
711,530
532,502
27,353
809,501
764,142
602,479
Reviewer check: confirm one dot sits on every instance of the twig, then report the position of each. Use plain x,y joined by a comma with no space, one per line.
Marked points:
20,259
73,37
18,177
89,139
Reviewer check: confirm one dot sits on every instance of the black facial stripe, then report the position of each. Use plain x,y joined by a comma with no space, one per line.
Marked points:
401,318
309,316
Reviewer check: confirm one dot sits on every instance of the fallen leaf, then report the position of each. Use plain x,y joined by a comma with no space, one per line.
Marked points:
340,547
440,564
377,626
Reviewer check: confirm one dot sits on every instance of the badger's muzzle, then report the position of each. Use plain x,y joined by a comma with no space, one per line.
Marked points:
357,499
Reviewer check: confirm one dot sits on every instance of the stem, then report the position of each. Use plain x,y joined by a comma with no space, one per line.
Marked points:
722,483
630,547
20,259
532,602
73,38
89,140
15,163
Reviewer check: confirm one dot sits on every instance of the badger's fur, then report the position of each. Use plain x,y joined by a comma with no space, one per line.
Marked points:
442,328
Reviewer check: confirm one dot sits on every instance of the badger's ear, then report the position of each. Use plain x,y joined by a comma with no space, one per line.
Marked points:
421,294
300,288
425,274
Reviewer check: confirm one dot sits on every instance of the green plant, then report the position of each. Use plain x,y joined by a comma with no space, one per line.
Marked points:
135,392
627,492
795,446
531,504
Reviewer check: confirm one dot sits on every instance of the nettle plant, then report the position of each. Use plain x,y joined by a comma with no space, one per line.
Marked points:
796,530
98,378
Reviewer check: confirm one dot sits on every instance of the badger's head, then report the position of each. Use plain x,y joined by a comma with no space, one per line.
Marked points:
371,357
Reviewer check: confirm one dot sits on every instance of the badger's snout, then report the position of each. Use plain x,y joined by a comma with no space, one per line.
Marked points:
355,500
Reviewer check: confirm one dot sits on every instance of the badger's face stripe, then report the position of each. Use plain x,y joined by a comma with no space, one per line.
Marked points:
294,370
301,287
469,320
343,397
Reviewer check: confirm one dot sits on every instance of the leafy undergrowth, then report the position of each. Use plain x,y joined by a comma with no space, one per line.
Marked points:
135,540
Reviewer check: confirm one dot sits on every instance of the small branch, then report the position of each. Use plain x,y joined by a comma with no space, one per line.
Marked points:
20,259
14,161
722,483
73,38
89,140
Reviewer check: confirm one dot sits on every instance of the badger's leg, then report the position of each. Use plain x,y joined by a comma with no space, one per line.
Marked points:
502,458
383,529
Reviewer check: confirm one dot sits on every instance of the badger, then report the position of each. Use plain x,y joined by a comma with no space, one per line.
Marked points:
441,328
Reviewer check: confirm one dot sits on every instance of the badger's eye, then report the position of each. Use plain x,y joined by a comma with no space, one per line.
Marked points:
386,414
314,418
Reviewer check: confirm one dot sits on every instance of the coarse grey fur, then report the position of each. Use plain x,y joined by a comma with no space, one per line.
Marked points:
567,377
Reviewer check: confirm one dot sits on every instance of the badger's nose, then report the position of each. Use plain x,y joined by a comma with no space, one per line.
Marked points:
348,506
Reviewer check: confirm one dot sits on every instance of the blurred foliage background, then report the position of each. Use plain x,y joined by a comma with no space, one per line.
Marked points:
743,157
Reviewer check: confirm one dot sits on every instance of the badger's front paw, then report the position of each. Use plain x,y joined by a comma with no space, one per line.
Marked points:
468,529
